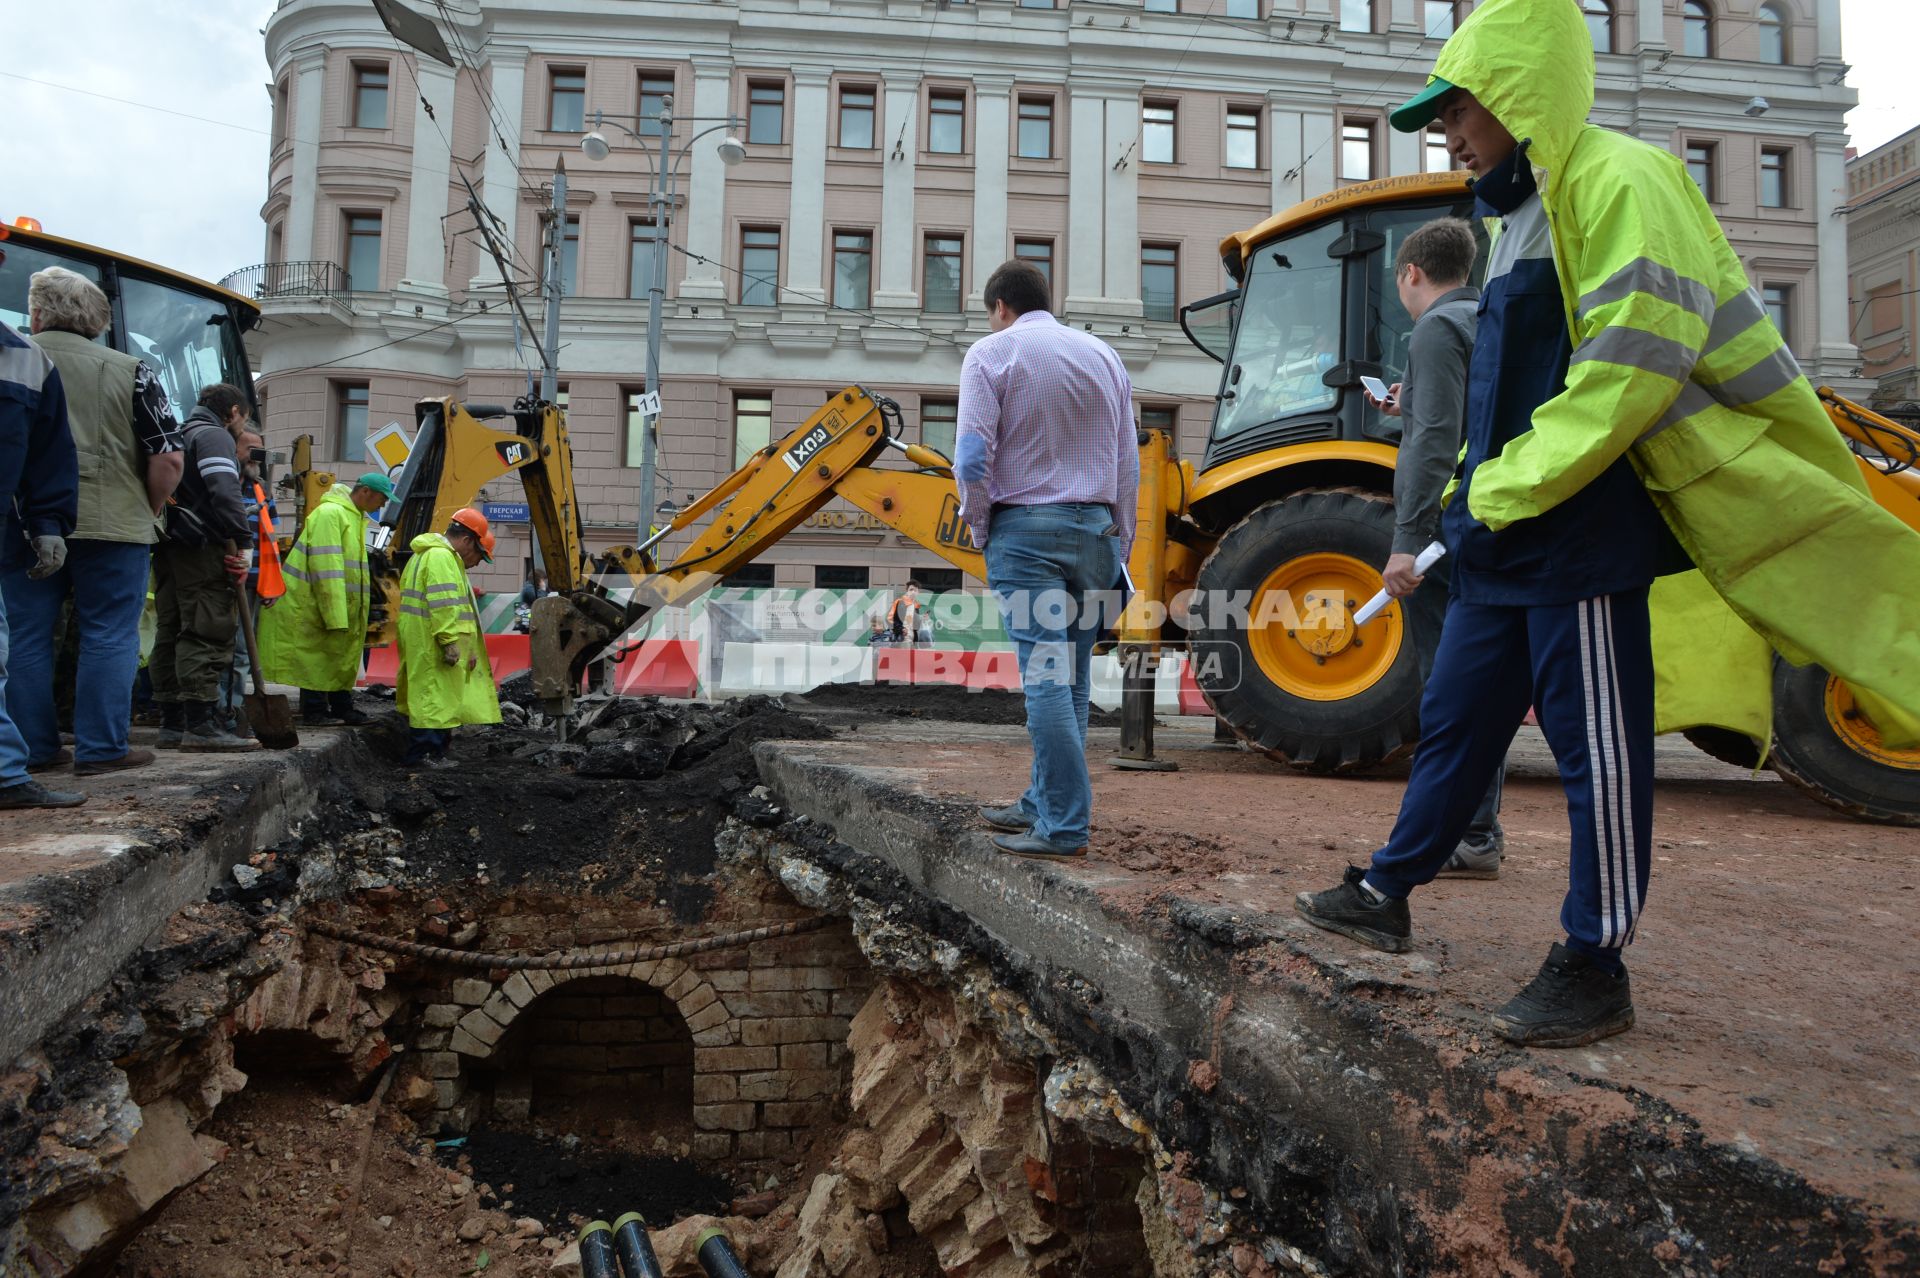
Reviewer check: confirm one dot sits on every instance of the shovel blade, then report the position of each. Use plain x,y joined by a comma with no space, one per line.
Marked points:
272,720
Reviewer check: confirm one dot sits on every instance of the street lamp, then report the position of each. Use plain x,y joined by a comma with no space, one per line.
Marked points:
665,178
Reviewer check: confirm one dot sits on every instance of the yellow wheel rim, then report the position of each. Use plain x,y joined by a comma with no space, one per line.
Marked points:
1851,725
1300,628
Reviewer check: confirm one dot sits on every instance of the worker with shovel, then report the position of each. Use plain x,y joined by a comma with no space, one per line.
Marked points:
314,637
445,678
195,568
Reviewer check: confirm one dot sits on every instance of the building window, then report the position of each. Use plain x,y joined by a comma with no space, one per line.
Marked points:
1773,34
369,95
630,397
1599,23
1439,19
1778,300
1159,280
350,420
363,252
569,257
767,113
277,242
852,269
1700,167
759,266
856,117
1160,417
1356,15
1439,159
1243,137
1158,121
939,423
1040,254
940,288
752,426
1356,149
567,100
655,88
1163,6
851,576
1696,29
1773,178
1036,129
935,581
1243,9
282,101
640,257
947,123
749,576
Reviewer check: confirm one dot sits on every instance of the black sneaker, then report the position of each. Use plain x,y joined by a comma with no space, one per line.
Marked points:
1571,1002
1351,912
31,794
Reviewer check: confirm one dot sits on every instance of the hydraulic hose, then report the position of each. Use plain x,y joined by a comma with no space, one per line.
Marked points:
568,960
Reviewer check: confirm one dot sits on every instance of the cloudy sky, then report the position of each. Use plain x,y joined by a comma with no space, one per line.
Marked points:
175,171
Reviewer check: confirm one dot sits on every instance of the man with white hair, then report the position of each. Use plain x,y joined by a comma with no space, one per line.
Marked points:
130,460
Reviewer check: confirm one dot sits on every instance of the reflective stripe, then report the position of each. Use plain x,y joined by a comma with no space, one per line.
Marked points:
326,574
1773,373
323,550
1691,399
446,588
1637,348
1736,315
217,466
410,593
1644,275
413,610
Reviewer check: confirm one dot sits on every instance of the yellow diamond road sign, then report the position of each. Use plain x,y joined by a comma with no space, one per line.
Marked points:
389,447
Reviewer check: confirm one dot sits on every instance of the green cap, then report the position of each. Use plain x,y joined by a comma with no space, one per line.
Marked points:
1418,111
378,482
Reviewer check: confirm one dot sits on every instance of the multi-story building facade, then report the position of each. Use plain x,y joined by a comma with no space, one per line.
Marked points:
1883,248
896,152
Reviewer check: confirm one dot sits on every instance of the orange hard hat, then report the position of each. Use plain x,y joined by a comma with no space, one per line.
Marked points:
471,520
486,546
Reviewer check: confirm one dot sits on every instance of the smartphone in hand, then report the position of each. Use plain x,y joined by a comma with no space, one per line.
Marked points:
1377,388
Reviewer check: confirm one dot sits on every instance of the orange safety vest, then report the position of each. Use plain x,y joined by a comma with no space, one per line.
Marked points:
272,584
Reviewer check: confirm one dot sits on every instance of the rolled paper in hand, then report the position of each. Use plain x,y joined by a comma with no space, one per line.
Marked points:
1421,562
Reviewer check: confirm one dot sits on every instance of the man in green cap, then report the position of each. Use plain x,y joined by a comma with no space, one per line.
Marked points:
1630,408
313,637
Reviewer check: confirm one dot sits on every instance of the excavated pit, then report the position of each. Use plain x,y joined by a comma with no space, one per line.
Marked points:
948,1066
250,1097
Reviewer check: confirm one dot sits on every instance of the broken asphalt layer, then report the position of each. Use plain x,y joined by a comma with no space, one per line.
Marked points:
1761,1118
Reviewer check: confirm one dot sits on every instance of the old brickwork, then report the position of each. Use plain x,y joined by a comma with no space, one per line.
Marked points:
767,1024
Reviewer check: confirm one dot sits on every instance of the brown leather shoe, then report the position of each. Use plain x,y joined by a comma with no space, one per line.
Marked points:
98,767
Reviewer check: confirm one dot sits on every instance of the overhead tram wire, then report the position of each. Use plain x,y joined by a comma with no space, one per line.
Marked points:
1431,35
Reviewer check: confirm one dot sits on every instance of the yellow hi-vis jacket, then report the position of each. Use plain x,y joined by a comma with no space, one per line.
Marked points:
1676,365
314,636
437,612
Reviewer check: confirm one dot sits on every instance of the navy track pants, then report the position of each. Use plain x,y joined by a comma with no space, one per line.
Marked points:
1587,669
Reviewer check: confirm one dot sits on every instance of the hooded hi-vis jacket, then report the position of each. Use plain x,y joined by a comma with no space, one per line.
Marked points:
313,637
1676,366
436,613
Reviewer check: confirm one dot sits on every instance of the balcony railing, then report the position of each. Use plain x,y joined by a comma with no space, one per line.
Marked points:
287,279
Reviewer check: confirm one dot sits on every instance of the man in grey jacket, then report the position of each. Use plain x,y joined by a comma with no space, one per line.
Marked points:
1432,270
194,576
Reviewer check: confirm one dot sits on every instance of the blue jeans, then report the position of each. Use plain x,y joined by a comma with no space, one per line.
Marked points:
1056,574
108,580
13,750
427,743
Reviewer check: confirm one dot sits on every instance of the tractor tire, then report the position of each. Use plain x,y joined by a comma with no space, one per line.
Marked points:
1821,745
1286,669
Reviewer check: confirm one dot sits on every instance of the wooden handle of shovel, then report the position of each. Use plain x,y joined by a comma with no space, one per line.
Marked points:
246,626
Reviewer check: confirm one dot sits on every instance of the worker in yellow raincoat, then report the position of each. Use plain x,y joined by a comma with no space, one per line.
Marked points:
313,636
445,678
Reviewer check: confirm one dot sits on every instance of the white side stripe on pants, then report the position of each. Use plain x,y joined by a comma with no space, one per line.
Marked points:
1612,835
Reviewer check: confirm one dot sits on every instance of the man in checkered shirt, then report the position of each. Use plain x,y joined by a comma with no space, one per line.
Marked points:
1048,464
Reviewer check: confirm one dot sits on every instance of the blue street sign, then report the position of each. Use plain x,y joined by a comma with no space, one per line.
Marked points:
506,512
